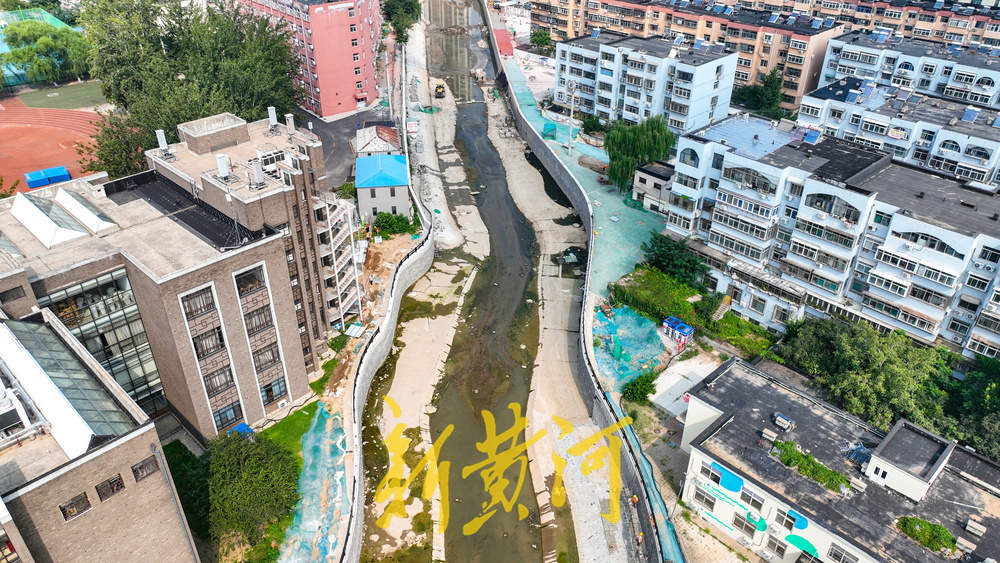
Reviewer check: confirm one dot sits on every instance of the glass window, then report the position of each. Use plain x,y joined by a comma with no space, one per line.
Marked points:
710,473
754,500
145,468
75,506
258,319
228,415
265,358
273,391
251,281
107,488
743,525
784,520
976,282
208,343
840,555
776,546
198,303
218,381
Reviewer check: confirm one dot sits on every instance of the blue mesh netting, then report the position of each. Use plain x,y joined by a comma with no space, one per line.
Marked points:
634,349
323,489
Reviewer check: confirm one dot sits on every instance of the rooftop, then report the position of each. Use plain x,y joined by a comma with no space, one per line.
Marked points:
748,398
981,57
658,169
594,41
750,135
380,171
693,53
378,138
242,144
55,404
800,24
145,216
907,105
830,159
935,199
915,450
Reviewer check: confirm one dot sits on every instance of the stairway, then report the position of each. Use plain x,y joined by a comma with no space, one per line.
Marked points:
727,303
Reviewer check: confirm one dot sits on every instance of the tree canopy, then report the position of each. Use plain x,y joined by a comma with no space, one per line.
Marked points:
764,97
401,14
543,40
674,258
629,146
53,7
184,65
884,377
251,482
45,52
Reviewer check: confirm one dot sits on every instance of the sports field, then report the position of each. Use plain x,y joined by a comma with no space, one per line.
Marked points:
70,96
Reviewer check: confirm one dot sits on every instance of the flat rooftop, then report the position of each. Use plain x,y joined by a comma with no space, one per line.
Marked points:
803,24
150,219
935,199
594,41
892,102
658,169
830,159
985,57
914,449
748,398
750,135
264,141
686,52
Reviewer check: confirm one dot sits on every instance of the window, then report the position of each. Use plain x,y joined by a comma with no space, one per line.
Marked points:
755,501
107,488
145,468
838,554
743,525
218,381
757,304
689,156
704,499
357,70
258,320
251,281
711,473
198,303
779,314
809,110
927,296
208,343
717,159
11,294
834,206
350,12
359,85
75,507
354,42
776,546
928,241
882,218
392,193
356,57
976,282
273,391
949,145
784,520
267,357
353,28
227,415
990,254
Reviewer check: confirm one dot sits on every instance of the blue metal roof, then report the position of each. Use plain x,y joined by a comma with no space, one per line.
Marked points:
380,170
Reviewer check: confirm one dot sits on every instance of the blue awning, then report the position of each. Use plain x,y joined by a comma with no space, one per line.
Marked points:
241,428
812,136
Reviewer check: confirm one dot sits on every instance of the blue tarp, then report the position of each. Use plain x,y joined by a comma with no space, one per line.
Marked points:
56,174
380,170
241,428
36,179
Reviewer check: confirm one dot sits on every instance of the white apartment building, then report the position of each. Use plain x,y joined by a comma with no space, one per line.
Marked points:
740,418
633,78
335,227
952,137
968,73
795,224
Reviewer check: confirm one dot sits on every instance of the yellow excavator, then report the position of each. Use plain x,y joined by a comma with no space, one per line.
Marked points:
439,91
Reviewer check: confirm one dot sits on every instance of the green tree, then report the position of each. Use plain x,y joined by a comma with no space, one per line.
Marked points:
7,191
639,389
45,52
591,124
543,40
631,145
252,481
193,64
764,97
674,258
389,224
402,14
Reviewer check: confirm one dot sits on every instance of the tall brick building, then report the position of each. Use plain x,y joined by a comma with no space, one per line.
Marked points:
82,473
337,45
208,282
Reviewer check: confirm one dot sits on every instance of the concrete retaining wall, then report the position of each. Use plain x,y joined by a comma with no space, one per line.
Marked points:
411,267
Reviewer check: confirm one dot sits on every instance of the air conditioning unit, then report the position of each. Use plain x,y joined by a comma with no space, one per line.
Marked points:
282,404
979,265
957,339
907,275
990,268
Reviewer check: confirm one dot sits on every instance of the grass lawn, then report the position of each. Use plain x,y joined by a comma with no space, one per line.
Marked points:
289,430
71,96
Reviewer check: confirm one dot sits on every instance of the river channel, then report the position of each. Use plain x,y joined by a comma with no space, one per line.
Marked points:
481,372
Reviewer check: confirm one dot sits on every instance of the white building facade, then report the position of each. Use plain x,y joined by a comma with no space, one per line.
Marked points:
968,73
632,79
794,227
952,137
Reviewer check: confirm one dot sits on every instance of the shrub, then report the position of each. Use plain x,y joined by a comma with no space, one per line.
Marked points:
639,389
934,537
389,224
347,191
751,339
338,342
809,467
687,354
655,295
591,124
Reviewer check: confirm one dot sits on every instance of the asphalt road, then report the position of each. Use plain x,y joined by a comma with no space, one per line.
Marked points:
336,138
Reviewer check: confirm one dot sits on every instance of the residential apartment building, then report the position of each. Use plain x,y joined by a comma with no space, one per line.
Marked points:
84,478
763,41
208,282
738,421
966,74
952,137
965,22
631,78
793,224
337,46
